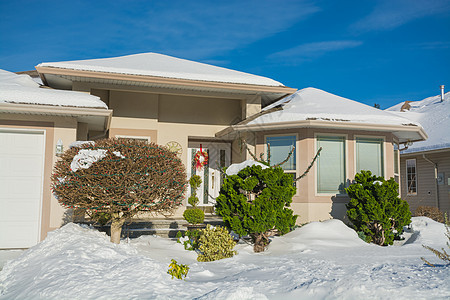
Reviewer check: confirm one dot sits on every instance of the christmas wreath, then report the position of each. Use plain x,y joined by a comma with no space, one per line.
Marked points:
201,159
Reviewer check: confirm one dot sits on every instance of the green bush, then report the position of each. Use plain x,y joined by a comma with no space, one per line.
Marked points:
178,270
254,202
215,243
189,239
194,215
375,208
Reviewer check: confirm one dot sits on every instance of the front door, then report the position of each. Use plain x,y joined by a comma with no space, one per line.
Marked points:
219,156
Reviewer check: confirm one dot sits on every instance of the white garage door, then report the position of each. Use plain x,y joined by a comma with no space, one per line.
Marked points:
21,174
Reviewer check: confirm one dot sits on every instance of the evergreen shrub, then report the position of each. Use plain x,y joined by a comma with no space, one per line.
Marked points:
189,239
215,243
376,209
194,215
255,202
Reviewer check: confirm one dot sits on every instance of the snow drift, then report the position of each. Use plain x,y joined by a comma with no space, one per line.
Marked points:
321,260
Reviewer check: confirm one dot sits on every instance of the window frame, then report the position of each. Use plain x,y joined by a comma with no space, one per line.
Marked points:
133,137
295,154
415,177
382,139
317,136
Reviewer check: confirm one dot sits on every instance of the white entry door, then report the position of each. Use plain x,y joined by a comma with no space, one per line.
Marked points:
21,177
219,156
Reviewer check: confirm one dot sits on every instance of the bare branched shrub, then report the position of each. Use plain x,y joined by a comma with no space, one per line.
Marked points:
431,212
120,178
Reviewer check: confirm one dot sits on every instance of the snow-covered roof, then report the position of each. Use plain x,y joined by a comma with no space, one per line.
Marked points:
159,65
315,104
23,89
434,116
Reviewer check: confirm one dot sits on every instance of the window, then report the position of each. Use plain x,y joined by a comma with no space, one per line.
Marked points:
411,176
331,165
369,155
396,166
280,147
130,137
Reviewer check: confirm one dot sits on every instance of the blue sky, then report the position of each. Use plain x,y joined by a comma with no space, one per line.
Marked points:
382,52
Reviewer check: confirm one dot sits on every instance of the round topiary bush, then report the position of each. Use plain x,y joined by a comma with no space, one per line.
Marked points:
194,215
119,178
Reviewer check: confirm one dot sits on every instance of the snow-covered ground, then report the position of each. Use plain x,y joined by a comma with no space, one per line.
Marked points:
321,260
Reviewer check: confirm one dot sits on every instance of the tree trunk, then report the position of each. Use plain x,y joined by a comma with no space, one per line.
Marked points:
260,242
379,234
116,227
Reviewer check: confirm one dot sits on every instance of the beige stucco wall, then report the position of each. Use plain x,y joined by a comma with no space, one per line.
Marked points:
307,203
64,128
165,117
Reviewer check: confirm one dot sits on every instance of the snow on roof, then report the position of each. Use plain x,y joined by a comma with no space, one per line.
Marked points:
159,65
23,89
434,116
314,104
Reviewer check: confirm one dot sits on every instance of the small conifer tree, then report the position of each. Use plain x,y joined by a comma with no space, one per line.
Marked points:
375,208
255,202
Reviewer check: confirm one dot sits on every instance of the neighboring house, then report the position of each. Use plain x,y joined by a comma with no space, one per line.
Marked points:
425,166
190,106
32,121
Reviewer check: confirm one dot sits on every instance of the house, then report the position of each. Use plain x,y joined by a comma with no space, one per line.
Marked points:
352,135
34,121
425,166
191,107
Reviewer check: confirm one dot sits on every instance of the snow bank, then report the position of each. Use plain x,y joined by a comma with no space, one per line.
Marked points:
434,116
22,89
321,260
315,104
235,168
159,65
317,235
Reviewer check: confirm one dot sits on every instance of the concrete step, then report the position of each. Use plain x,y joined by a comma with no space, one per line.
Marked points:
161,227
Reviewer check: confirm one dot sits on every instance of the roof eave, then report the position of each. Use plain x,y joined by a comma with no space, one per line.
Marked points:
42,70
421,135
51,110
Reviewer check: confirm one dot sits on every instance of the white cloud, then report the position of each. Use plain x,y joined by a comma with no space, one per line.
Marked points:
389,14
310,51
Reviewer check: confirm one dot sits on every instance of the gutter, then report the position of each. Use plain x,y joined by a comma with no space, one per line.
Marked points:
435,178
327,124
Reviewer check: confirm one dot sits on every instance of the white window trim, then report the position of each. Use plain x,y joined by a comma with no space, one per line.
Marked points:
406,177
374,137
316,171
133,137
